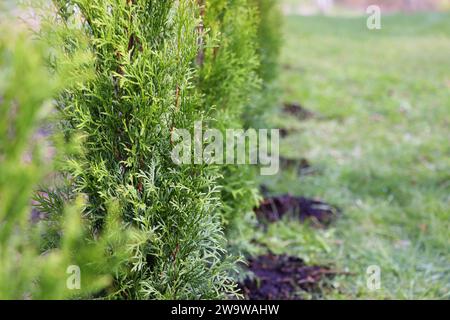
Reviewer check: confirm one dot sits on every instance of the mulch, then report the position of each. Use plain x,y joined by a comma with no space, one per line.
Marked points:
273,209
282,277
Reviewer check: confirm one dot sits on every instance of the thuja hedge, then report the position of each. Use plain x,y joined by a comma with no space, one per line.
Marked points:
237,76
26,272
228,79
157,66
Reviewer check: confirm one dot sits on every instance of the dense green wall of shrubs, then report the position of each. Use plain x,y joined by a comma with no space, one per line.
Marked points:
150,67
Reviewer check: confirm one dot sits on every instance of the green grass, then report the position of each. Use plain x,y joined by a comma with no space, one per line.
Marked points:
381,149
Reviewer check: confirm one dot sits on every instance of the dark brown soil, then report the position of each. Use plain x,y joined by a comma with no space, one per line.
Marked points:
302,166
273,209
284,132
298,111
282,277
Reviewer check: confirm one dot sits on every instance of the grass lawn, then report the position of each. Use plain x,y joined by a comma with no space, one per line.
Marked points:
380,149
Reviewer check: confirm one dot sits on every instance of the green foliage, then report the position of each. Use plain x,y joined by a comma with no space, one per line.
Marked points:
134,71
227,79
141,90
237,68
228,73
26,88
269,40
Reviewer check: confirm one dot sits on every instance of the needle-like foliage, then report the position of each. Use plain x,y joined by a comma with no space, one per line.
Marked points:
26,90
158,66
236,68
142,89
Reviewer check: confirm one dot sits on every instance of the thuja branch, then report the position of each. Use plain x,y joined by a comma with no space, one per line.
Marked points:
201,31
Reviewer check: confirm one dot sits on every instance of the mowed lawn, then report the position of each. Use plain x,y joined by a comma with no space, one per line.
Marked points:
379,148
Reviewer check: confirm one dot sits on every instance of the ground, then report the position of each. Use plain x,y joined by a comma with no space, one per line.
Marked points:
378,145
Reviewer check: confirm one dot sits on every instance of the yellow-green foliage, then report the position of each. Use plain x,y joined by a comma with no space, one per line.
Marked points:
133,72
235,77
26,90
140,91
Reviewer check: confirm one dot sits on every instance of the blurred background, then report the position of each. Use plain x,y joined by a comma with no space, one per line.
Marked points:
365,117
308,7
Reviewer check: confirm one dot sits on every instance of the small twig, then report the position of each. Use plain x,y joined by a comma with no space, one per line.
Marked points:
200,30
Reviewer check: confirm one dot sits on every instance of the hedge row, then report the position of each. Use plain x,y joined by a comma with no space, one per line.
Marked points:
150,67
